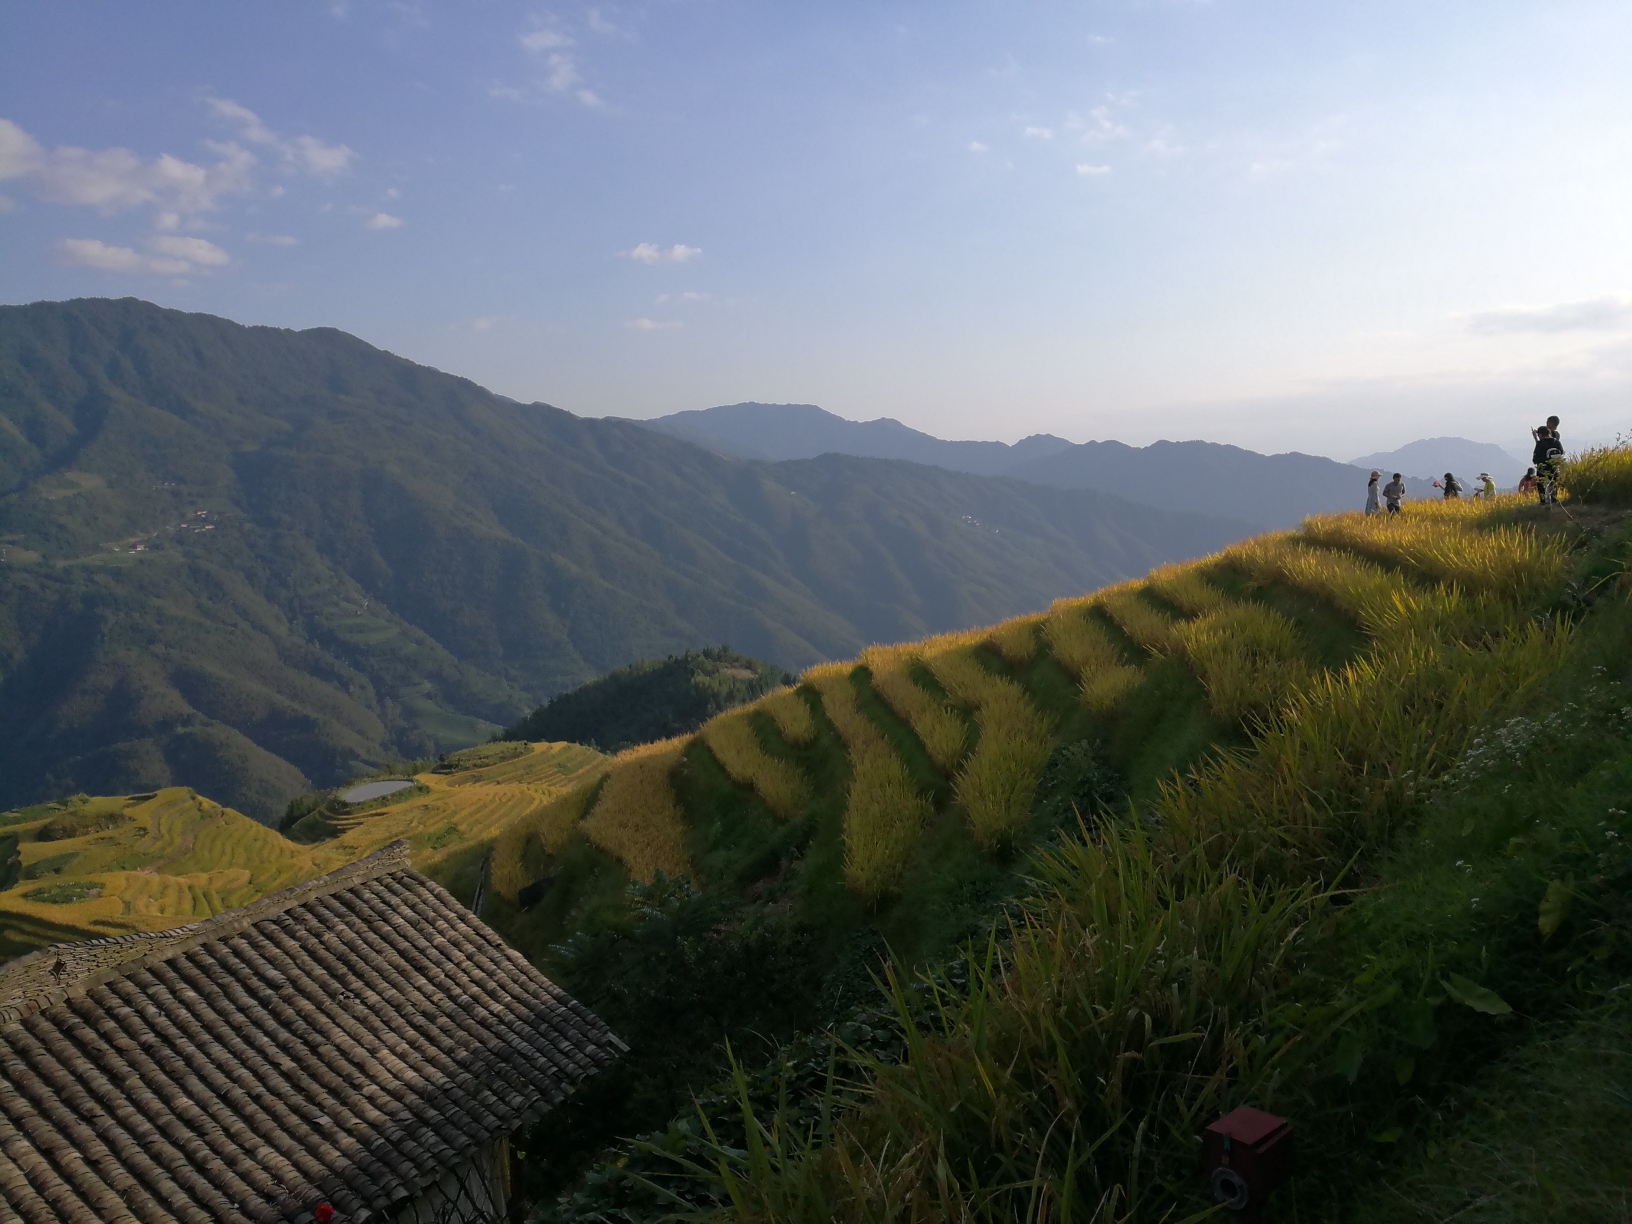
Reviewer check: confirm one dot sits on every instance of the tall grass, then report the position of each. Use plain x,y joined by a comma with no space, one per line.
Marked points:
637,819
790,714
999,780
884,814
1247,657
1600,476
1103,692
731,738
1148,628
938,726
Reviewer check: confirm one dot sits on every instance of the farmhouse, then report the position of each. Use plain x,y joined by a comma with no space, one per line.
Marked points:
358,1046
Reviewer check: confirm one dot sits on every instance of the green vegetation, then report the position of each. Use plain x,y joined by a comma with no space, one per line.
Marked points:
652,699
480,757
259,562
69,892
1599,476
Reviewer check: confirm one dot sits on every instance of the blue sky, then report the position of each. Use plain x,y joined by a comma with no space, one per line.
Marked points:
1330,227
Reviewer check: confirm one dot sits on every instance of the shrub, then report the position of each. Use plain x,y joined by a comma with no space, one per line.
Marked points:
80,821
636,818
884,814
731,738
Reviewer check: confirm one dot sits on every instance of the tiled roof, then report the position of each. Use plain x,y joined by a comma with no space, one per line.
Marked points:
343,1041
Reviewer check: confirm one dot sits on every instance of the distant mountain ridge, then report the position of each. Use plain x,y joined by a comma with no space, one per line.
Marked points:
1213,478
256,561
1431,458
804,431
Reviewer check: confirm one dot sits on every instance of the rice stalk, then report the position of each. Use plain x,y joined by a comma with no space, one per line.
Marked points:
791,715
883,813
731,738
637,819
1187,589
939,727
1601,475
1016,639
1076,642
1247,657
1148,628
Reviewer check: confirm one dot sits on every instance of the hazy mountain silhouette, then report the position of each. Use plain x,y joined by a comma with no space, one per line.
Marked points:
1430,458
1203,477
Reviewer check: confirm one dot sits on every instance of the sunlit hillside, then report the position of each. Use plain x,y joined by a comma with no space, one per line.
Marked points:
1238,738
115,864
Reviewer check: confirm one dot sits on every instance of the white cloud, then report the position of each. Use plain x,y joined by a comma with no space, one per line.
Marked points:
175,256
193,250
283,240
485,323
382,221
653,324
304,154
110,180
976,147
544,40
1610,313
690,298
1085,169
648,253
1039,133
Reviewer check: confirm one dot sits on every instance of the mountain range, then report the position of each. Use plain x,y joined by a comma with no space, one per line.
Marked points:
1212,478
253,560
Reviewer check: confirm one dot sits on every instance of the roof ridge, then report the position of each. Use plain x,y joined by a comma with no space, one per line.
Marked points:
45,977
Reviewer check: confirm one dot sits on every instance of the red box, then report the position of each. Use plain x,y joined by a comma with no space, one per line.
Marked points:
1245,1155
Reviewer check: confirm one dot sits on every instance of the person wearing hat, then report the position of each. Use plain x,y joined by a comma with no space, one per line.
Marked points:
1489,489
1371,494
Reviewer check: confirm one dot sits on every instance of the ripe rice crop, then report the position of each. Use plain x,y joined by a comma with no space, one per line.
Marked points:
883,813
1600,476
1136,618
637,819
938,726
1186,589
1246,656
1103,691
1450,542
1016,639
790,714
1076,642
731,738
552,822
999,780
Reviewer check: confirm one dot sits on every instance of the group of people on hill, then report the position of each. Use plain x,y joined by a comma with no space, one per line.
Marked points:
1541,478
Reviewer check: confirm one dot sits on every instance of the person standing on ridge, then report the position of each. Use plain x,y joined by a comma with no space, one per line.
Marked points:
1371,494
1546,456
1487,489
1527,482
1450,485
1393,492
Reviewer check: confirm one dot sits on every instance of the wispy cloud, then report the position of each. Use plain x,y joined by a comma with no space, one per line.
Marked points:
174,256
1083,168
554,48
301,154
282,240
382,221
649,253
689,298
111,180
654,324
1609,313
1039,133
976,146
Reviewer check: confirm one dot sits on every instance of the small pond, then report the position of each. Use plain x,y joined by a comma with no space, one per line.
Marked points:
375,790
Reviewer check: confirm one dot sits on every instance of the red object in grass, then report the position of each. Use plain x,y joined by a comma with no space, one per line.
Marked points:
322,1213
1245,1155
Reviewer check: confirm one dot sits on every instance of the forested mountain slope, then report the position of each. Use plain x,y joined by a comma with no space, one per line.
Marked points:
252,560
